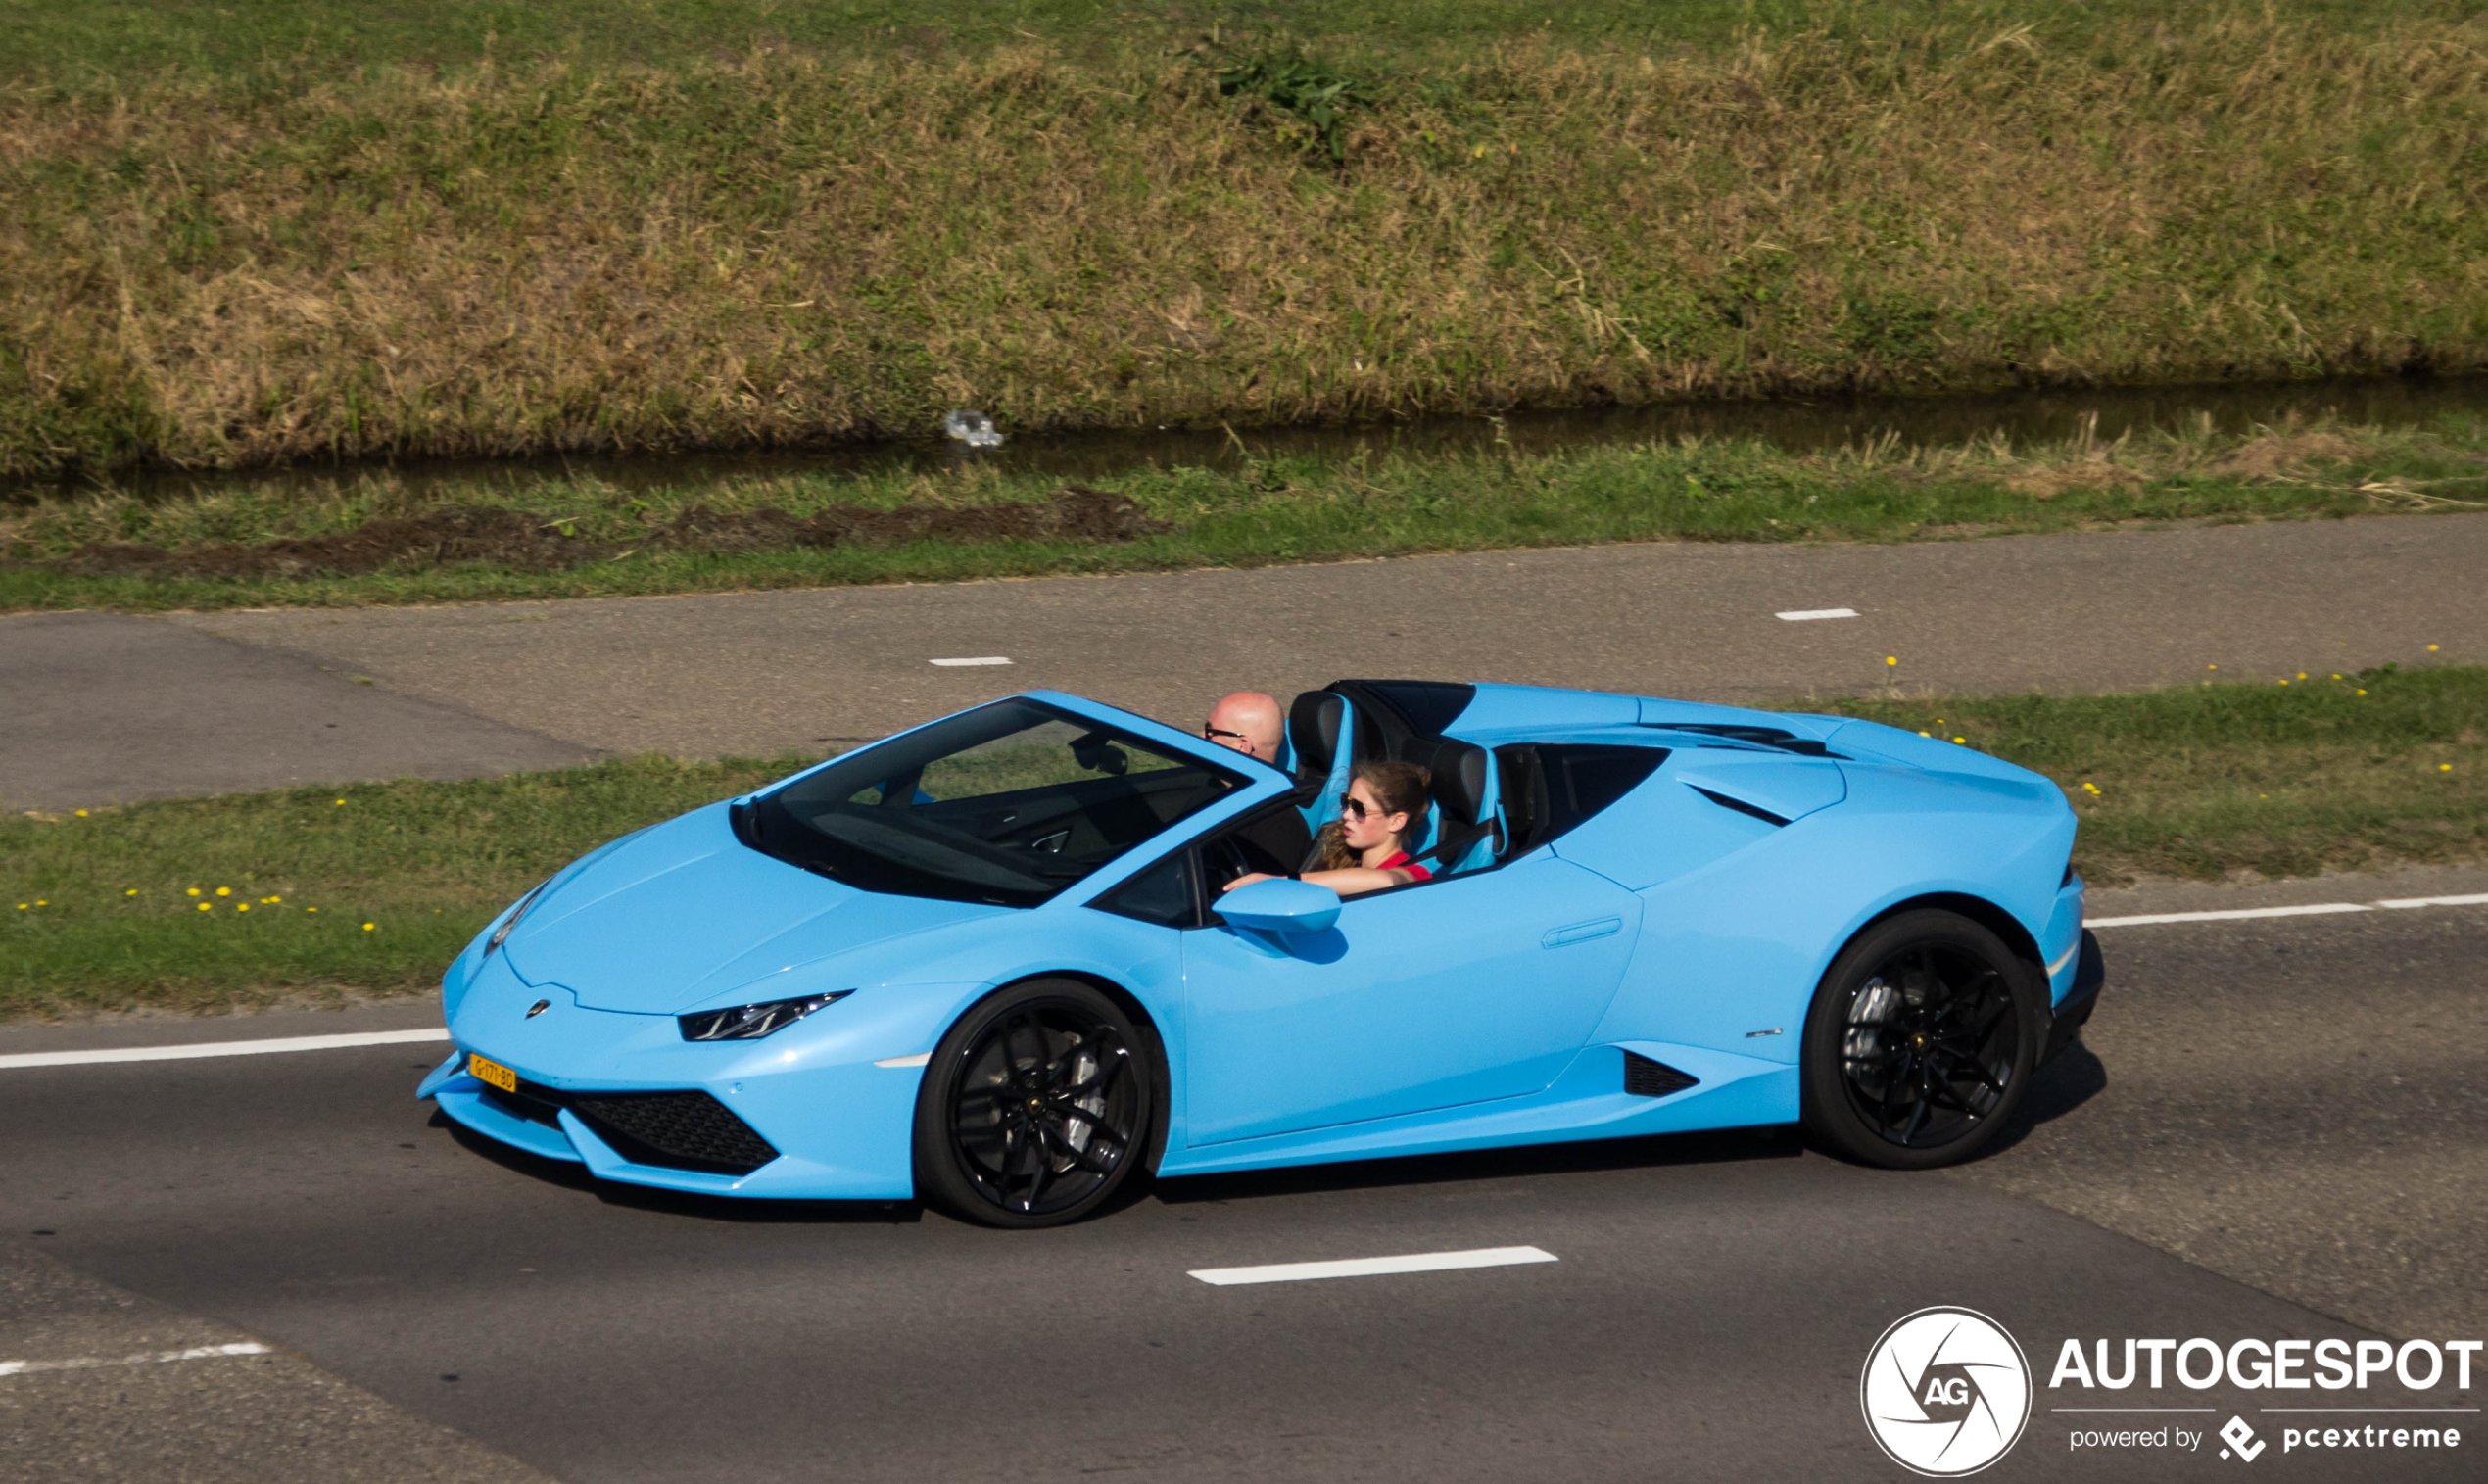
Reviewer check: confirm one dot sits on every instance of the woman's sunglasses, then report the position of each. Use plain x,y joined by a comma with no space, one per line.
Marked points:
1354,808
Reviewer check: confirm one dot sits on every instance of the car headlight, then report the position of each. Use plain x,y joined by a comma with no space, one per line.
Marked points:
750,1022
501,934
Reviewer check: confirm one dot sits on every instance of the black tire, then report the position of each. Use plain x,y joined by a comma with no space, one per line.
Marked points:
1043,1102
1920,1042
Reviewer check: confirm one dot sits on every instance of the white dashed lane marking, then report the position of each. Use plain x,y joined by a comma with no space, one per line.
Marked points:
982,660
1366,1268
1802,615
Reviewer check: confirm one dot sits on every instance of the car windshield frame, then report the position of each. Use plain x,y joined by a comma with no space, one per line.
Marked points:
1019,845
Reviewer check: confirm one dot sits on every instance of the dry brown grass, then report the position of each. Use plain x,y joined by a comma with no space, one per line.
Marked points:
781,247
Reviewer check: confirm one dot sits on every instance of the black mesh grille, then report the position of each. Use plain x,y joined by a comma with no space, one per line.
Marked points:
674,1130
535,1104
1644,1078
684,1130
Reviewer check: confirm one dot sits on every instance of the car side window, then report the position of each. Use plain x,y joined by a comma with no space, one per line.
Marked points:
1163,895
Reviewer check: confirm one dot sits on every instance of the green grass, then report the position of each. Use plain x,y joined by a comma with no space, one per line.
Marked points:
113,900
131,41
2286,778
245,235
1268,511
2366,771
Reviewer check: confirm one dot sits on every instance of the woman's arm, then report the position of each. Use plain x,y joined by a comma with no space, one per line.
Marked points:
1347,881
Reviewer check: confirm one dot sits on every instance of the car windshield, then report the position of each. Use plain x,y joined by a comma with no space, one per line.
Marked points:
1008,803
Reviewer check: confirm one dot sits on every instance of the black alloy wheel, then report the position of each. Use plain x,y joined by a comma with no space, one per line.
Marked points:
1921,1041
1041,1103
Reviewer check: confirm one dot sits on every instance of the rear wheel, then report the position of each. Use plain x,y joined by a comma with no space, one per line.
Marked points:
1920,1042
1039,1105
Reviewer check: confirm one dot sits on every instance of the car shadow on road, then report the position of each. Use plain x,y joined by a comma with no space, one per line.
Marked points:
1779,1143
713,1208
2061,1087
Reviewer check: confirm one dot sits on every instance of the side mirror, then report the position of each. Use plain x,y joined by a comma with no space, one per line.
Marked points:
1280,906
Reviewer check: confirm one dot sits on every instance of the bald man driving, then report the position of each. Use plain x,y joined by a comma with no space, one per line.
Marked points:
1252,724
1248,722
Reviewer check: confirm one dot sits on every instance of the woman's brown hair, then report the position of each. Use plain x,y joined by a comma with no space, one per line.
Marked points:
1398,788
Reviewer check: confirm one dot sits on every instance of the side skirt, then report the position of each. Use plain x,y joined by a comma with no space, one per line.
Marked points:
1587,1102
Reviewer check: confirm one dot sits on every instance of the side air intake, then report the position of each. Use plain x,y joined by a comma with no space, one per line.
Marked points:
1644,1078
1739,805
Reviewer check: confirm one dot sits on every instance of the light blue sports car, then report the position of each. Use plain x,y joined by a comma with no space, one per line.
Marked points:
988,964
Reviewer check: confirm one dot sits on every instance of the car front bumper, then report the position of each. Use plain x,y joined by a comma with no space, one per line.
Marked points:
839,1125
2090,971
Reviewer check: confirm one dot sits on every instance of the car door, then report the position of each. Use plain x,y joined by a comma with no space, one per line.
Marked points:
1453,992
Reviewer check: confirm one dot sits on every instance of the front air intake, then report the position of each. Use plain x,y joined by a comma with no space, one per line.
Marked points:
1644,1078
673,1130
687,1130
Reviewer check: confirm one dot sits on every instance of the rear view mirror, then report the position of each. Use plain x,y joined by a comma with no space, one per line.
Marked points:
1280,906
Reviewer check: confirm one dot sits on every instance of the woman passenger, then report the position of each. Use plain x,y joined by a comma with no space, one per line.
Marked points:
1365,848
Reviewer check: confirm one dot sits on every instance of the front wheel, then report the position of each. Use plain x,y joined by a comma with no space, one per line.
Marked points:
1039,1105
1920,1042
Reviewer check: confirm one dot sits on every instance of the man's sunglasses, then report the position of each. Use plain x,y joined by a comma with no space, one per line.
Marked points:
1213,733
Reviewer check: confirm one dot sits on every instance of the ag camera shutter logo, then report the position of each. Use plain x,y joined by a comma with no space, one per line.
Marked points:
1945,1392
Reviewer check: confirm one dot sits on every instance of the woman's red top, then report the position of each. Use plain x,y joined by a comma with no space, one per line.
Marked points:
1400,862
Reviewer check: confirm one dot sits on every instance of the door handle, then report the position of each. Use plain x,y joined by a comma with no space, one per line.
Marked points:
1581,933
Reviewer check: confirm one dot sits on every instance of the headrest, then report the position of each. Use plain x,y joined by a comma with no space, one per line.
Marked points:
1313,728
1459,780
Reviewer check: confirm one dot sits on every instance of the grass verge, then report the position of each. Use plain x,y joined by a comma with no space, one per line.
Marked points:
374,540
377,886
241,237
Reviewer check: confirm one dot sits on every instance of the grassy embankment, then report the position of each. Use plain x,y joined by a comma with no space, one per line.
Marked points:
374,539
2363,770
252,234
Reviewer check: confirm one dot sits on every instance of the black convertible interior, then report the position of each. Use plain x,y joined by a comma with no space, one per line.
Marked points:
1511,799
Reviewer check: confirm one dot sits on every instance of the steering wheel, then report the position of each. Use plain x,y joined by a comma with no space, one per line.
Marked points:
1223,860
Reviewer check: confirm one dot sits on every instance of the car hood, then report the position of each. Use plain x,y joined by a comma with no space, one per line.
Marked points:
684,912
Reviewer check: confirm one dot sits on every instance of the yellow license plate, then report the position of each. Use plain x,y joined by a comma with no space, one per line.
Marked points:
490,1072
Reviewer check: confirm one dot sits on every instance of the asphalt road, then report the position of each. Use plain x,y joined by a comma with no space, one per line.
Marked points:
2296,1103
496,687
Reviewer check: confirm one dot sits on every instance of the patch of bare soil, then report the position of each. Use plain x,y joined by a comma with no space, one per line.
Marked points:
529,541
1076,514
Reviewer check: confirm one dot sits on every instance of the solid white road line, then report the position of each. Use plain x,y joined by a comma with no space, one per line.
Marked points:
97,1363
2479,901
982,660
220,1048
2317,910
1288,1272
1365,1267
1801,615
